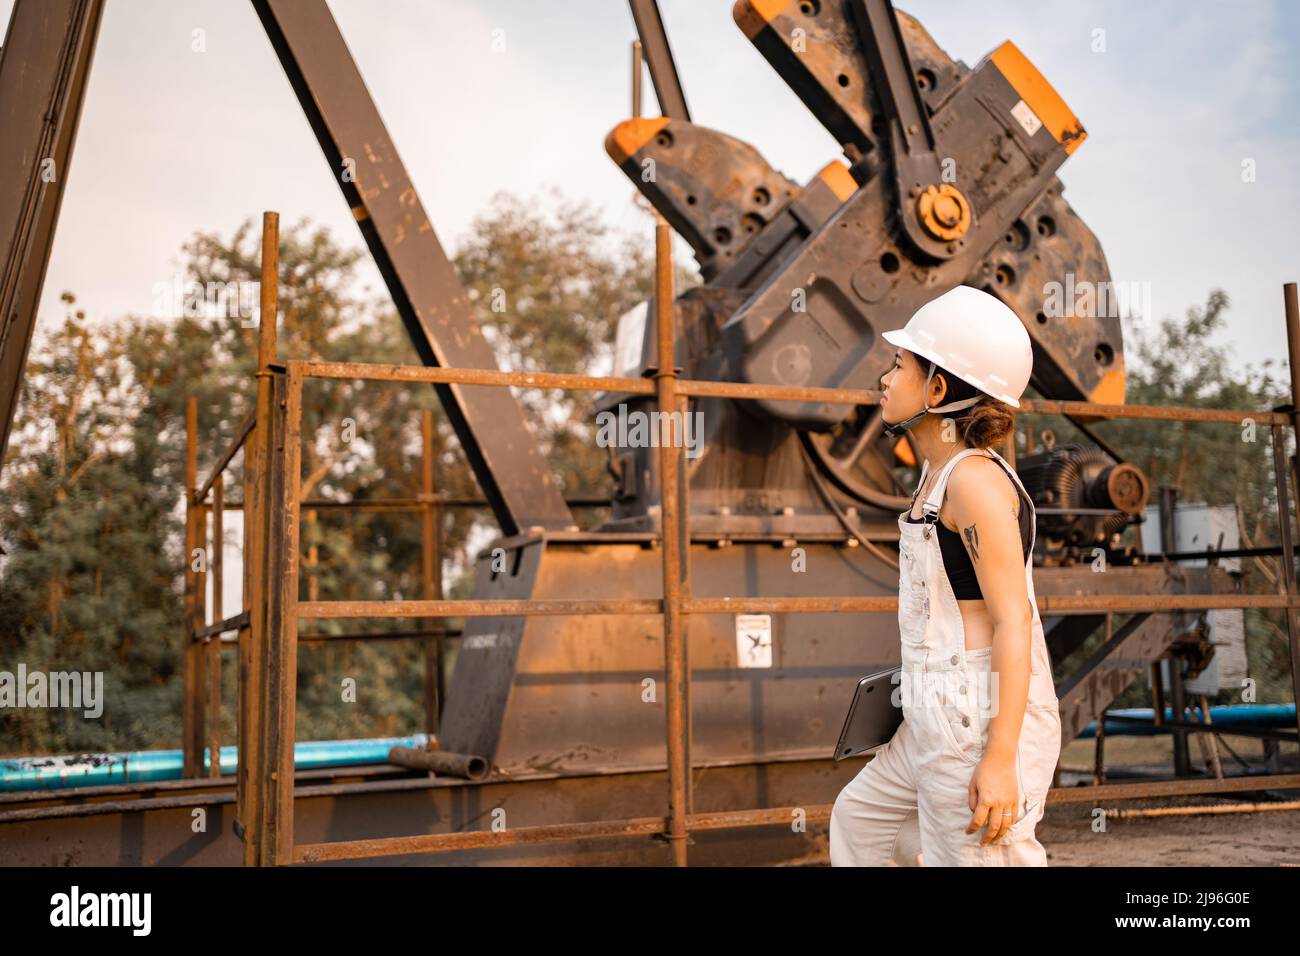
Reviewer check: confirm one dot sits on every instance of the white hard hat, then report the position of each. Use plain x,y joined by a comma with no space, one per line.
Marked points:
976,337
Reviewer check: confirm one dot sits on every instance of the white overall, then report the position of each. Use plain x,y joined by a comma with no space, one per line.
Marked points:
913,795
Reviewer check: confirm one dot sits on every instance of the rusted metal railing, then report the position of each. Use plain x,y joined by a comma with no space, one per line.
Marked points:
269,638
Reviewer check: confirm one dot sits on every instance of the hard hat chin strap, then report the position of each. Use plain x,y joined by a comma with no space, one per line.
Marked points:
897,429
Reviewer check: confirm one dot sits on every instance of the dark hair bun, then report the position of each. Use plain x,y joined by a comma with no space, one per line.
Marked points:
986,423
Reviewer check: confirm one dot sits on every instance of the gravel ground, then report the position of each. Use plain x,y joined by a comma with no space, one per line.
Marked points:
1235,839
1265,838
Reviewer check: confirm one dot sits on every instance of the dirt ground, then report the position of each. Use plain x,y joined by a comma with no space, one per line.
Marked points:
1269,838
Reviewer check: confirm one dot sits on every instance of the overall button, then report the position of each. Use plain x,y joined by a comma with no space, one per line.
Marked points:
953,659
965,721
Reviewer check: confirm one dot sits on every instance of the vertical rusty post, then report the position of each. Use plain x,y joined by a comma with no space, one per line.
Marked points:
256,504
670,453
637,71
213,648
192,661
1280,470
1157,696
1292,311
431,572
1168,506
245,702
1099,751
245,699
280,672
684,509
313,559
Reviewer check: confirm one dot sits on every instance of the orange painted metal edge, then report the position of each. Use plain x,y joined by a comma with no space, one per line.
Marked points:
837,176
753,16
627,138
1039,95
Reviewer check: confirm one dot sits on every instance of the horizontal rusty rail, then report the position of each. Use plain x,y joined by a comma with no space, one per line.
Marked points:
521,836
323,610
319,637
1164,413
733,819
1051,604
474,376
412,504
835,396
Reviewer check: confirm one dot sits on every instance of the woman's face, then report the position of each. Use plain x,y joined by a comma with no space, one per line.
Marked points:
902,387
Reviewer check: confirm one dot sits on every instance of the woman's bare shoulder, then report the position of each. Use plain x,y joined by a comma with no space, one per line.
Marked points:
978,490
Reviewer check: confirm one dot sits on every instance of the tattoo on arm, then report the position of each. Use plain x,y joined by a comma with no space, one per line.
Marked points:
972,542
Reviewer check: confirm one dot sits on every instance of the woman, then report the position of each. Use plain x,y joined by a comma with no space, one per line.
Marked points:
964,778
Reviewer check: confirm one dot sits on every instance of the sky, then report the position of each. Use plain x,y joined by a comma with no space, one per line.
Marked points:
483,95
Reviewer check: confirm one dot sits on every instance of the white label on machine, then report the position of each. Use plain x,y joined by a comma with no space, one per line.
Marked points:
754,640
1026,118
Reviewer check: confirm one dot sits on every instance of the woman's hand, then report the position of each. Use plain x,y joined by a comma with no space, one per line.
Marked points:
994,797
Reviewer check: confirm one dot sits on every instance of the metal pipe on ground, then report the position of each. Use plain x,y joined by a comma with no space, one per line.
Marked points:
468,766
1192,811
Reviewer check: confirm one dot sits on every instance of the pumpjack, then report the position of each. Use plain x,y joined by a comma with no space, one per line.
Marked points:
948,176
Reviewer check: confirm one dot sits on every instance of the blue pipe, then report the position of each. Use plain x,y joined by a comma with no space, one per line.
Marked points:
1256,715
147,766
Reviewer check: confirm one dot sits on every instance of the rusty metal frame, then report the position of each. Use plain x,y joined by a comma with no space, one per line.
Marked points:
204,642
269,644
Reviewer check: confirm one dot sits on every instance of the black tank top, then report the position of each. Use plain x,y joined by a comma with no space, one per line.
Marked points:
956,559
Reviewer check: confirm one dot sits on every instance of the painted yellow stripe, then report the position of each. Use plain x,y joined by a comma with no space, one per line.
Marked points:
837,176
627,138
1110,390
1039,96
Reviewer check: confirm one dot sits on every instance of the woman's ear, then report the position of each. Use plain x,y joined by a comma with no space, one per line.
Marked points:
938,389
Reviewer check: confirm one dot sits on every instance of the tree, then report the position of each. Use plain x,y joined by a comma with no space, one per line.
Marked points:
1183,363
90,578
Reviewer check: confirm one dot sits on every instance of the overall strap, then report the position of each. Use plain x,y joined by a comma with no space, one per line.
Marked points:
1011,472
1025,499
920,483
930,509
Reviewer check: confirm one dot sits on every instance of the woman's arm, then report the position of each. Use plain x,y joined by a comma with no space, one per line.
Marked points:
983,505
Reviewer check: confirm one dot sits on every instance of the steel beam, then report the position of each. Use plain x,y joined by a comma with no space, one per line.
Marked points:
421,279
659,58
44,67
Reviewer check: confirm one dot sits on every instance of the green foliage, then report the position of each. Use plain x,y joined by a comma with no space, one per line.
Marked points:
89,580
1182,363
